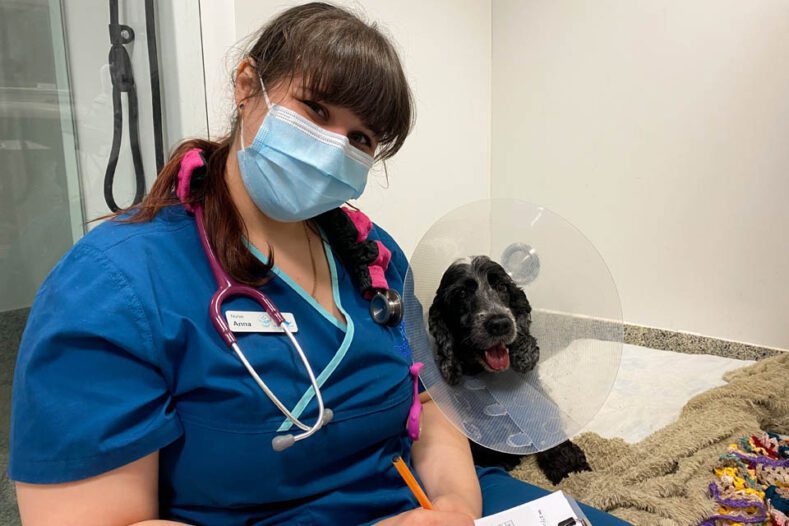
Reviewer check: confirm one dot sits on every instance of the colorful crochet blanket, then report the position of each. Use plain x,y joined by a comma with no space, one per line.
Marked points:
752,485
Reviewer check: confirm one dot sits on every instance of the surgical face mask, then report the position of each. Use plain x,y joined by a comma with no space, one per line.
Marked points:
296,170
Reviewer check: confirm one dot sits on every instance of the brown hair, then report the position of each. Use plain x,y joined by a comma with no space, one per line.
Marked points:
343,61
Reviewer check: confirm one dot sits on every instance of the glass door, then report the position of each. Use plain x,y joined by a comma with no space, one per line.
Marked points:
41,212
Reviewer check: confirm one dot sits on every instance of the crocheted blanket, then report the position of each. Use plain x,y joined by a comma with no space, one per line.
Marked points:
752,482
664,480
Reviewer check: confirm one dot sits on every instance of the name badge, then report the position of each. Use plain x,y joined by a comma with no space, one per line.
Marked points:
245,321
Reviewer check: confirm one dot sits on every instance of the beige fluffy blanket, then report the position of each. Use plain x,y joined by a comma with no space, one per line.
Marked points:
663,480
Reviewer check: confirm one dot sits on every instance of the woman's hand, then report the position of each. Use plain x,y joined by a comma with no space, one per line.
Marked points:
423,517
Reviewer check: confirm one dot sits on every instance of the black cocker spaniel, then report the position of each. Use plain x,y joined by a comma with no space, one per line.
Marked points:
480,321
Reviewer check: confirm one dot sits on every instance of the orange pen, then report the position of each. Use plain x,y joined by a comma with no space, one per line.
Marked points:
411,482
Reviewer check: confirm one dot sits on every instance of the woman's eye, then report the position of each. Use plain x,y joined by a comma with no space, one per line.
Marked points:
360,138
317,108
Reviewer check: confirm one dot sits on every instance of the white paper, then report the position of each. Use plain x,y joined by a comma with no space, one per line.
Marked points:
550,510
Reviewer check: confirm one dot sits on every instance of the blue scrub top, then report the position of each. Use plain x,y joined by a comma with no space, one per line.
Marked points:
120,359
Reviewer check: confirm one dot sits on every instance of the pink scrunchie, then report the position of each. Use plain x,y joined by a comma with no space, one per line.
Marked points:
377,268
191,160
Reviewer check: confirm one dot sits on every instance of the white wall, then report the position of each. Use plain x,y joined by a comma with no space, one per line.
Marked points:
660,130
445,49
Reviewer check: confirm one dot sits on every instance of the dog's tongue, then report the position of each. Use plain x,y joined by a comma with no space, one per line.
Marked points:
498,357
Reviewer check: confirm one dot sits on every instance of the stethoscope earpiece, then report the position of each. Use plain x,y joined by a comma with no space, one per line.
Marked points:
386,308
283,442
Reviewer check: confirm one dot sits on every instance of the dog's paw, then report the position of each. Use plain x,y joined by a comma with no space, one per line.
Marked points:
558,462
525,355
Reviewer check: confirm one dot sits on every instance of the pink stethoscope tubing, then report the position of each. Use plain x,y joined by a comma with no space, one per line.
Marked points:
228,288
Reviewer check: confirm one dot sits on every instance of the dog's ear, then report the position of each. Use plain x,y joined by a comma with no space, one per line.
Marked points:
524,351
519,303
448,364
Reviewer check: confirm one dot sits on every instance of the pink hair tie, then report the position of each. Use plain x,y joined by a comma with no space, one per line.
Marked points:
360,221
191,161
377,268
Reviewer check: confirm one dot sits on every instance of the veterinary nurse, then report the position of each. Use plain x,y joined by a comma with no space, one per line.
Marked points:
129,408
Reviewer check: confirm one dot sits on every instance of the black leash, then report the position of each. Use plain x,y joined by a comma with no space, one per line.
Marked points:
122,76
153,65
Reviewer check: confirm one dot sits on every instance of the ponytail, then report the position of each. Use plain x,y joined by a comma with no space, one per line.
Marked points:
223,222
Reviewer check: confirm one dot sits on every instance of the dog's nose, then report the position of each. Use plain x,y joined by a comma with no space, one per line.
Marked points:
498,325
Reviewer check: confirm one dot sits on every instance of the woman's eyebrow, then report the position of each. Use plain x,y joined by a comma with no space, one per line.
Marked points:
366,129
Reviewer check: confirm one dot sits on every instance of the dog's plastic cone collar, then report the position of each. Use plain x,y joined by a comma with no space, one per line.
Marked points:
576,320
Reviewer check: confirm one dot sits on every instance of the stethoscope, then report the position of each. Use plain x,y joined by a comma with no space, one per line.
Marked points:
385,308
229,288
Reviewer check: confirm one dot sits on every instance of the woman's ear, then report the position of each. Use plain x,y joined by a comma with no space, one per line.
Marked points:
246,82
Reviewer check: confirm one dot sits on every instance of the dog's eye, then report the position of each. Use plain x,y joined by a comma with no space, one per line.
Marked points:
501,287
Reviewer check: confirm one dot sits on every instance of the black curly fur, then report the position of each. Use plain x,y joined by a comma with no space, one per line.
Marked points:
560,461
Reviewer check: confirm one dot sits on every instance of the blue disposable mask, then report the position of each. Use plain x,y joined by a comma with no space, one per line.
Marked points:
296,170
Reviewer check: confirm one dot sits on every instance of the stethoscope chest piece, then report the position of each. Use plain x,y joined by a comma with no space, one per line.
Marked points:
386,308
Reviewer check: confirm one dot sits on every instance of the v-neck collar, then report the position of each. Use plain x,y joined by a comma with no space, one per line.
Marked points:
303,293
348,329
